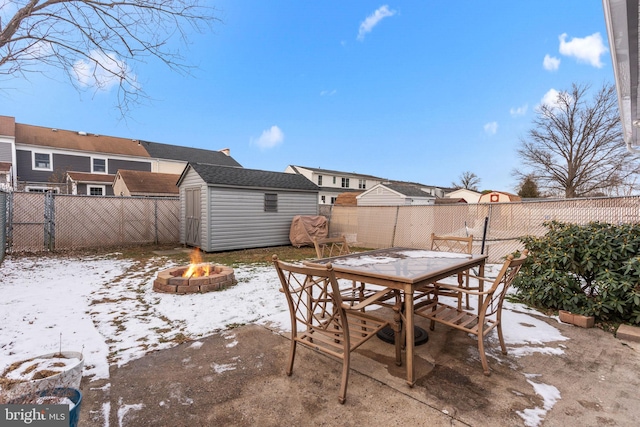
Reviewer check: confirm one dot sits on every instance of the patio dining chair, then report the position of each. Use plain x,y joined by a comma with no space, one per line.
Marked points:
319,318
489,316
337,246
457,244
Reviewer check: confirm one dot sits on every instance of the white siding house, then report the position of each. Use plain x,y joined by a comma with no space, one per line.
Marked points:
396,194
226,208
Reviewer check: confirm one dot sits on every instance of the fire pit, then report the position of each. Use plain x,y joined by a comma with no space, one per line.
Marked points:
194,278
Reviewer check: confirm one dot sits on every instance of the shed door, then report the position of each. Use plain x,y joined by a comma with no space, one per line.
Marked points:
193,214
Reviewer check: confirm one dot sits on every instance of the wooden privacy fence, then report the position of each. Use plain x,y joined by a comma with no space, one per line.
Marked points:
411,226
46,221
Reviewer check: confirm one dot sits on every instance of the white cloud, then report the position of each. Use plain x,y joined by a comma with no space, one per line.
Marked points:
550,98
550,63
108,74
372,20
269,138
587,49
491,128
328,92
519,111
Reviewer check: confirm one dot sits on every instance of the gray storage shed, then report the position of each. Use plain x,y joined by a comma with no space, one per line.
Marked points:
226,208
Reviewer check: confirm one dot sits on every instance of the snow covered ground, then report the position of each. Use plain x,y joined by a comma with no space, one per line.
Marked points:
106,308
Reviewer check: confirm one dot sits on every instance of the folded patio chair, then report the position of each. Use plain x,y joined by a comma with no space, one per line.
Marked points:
489,314
319,318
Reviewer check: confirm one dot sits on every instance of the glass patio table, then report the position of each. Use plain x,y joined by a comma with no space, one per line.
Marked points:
404,269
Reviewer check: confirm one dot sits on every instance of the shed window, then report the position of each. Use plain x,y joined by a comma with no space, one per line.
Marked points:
271,202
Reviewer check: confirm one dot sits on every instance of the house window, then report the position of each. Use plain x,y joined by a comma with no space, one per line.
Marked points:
42,161
333,200
319,179
362,184
98,165
271,202
334,179
345,182
95,190
323,199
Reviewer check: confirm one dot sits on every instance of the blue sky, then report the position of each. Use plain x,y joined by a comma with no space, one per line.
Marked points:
418,90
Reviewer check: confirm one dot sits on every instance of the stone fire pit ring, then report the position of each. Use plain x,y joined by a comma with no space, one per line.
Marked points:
171,280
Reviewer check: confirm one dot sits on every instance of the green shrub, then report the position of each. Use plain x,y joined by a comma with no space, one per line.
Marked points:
591,269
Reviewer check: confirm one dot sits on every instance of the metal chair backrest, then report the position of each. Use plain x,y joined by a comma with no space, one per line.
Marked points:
463,245
331,246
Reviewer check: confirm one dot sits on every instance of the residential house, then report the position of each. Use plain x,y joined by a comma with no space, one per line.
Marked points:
147,184
226,207
469,196
397,194
77,162
333,183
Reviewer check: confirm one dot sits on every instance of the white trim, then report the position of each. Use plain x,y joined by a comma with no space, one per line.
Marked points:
80,153
106,164
102,187
33,160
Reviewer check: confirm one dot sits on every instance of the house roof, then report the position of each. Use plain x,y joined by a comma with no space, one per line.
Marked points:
407,189
623,31
91,177
80,141
5,166
449,200
188,154
333,172
143,182
225,176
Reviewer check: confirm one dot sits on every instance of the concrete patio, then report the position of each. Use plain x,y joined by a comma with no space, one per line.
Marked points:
236,378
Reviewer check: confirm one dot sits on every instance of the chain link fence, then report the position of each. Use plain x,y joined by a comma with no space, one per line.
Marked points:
4,196
46,221
411,226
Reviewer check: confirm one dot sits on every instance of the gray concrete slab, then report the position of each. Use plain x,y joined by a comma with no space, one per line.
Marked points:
236,378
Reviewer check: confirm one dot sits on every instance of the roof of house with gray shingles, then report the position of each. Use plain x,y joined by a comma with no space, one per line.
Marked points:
225,176
410,190
188,154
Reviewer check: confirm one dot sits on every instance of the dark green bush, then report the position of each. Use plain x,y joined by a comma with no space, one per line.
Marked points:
591,269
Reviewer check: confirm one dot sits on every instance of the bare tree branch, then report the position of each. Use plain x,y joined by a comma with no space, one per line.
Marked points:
98,43
575,147
468,180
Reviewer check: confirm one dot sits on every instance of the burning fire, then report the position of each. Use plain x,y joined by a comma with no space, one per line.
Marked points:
196,268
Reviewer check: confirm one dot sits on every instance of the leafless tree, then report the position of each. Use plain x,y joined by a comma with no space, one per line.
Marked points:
575,145
468,181
97,43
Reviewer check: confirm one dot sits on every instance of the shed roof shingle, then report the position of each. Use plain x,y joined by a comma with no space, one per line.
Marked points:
240,177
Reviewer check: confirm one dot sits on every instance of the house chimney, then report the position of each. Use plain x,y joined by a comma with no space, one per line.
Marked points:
226,151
